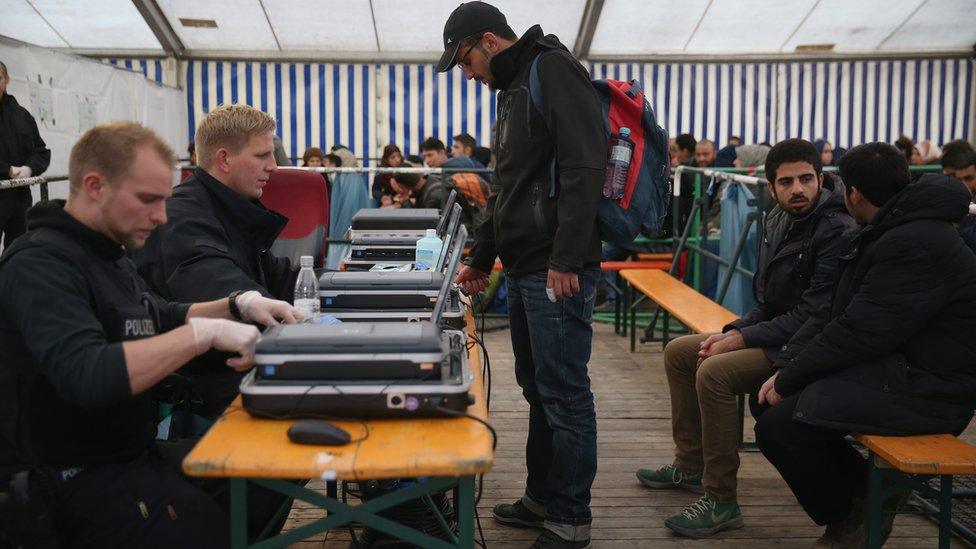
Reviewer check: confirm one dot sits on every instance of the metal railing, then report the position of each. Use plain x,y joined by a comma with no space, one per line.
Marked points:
41,180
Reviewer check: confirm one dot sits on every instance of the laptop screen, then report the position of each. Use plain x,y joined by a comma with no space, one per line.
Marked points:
449,237
445,292
446,213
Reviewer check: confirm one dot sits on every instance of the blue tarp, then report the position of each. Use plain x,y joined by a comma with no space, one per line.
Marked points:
738,202
349,195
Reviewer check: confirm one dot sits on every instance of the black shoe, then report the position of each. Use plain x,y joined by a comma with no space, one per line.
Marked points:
516,514
549,540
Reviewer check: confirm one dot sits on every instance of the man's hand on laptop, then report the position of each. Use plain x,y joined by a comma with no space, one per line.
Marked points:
255,307
471,279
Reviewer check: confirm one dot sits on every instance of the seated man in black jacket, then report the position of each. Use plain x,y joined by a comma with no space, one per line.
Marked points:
82,343
892,354
801,245
218,237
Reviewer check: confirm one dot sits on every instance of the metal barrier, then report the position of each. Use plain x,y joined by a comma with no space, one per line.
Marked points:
390,170
41,180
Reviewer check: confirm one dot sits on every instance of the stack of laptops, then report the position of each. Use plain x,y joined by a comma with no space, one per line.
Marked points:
394,290
362,369
389,236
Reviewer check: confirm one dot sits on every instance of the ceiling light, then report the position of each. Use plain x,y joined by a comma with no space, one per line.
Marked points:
198,23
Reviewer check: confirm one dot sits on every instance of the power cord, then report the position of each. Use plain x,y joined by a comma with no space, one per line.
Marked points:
455,413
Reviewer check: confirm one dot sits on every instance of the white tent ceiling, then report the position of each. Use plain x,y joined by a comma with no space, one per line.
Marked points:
410,30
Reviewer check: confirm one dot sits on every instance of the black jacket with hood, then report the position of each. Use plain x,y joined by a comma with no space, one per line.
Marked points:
797,265
894,353
20,142
525,225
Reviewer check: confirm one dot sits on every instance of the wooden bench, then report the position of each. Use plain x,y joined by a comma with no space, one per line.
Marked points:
910,462
700,314
655,256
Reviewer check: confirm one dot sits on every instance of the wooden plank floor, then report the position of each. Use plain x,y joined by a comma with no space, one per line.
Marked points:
634,428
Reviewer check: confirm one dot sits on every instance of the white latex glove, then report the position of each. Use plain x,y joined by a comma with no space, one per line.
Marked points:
226,335
254,307
25,171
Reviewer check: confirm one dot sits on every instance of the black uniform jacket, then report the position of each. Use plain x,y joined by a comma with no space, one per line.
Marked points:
215,242
894,352
68,299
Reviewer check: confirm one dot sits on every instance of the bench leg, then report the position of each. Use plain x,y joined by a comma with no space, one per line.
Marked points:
666,330
616,305
633,317
872,509
945,511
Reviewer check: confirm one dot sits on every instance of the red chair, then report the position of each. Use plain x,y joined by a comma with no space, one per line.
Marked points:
303,198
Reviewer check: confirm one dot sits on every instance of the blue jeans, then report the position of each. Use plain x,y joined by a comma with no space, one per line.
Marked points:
552,343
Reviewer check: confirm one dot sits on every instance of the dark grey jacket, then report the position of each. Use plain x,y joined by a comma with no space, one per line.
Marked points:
894,351
797,264
525,225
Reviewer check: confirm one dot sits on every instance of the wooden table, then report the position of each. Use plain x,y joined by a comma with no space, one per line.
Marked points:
444,453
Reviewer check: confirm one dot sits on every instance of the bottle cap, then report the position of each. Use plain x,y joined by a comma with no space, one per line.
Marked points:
307,261
624,132
432,233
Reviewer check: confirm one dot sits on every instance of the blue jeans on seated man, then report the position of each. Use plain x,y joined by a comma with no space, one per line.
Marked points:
552,343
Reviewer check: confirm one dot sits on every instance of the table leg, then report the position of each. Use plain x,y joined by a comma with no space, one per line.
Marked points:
945,511
465,512
238,513
873,507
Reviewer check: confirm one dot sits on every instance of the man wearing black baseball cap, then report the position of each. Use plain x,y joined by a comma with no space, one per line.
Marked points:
541,222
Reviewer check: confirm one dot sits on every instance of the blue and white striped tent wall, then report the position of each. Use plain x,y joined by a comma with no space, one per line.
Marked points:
845,102
316,105
864,101
711,101
420,103
366,106
152,69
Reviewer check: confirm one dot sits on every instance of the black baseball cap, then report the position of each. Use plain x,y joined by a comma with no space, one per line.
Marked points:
467,19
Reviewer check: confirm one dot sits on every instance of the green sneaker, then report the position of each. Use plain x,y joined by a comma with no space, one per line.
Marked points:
670,478
706,517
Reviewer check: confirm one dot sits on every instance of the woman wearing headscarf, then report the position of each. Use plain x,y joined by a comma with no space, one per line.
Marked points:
826,151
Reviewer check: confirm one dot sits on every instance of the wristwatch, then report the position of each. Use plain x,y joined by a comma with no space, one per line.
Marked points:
232,304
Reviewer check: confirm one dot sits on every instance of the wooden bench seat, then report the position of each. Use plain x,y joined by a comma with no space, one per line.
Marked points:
618,265
910,463
694,310
655,256
923,455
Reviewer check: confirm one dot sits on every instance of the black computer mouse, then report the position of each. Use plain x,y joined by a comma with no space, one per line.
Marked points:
315,431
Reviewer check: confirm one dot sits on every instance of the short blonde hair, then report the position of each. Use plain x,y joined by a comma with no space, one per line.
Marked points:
229,127
110,149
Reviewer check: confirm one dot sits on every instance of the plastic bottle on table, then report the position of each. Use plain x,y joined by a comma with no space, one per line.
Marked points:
428,251
307,291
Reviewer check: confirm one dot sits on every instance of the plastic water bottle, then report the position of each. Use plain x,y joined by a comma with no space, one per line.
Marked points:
428,251
307,291
621,148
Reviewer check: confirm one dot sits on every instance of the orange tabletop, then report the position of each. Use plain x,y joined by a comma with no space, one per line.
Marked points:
241,446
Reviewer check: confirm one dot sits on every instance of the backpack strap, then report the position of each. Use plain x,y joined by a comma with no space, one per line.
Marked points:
535,93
